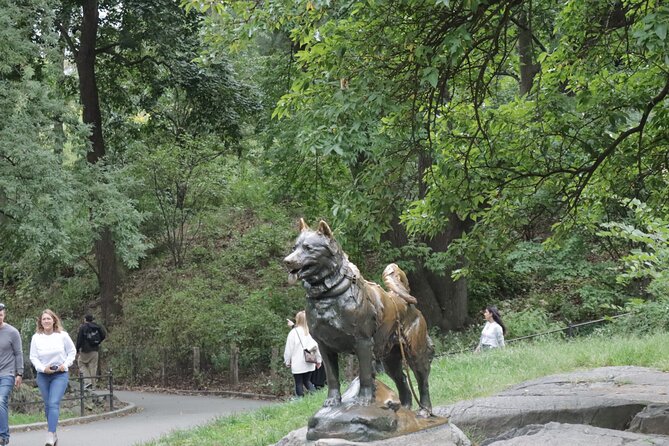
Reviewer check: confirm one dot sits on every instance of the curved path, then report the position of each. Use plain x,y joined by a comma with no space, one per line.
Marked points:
159,414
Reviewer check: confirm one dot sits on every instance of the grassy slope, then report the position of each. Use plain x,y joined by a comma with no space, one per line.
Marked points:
453,378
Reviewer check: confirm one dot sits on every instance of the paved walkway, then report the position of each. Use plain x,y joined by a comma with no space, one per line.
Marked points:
159,414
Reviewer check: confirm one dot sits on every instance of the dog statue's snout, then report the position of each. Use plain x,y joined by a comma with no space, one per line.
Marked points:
289,261
291,264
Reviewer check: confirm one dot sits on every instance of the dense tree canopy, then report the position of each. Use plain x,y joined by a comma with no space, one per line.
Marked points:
522,119
451,136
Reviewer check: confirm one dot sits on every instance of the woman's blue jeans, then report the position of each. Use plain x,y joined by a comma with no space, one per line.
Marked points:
52,387
6,386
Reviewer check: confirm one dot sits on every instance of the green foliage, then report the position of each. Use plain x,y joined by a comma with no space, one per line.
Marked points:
38,194
495,281
233,292
573,281
52,204
184,180
426,110
529,322
456,341
390,120
644,318
648,258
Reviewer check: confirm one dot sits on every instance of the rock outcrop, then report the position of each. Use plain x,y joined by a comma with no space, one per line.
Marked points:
607,397
607,406
573,434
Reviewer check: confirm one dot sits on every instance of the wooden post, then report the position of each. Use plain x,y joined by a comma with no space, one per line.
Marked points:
132,366
111,390
81,393
234,364
163,371
274,364
196,361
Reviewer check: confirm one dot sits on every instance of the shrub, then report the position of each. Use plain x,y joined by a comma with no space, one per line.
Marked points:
647,236
529,322
645,317
455,341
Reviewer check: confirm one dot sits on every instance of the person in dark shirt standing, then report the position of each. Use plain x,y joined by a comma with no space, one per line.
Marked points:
11,370
89,338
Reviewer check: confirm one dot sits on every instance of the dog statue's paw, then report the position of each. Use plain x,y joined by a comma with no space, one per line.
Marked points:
424,413
332,402
364,401
365,397
393,405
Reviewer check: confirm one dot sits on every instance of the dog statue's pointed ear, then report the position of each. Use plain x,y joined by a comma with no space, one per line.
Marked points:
324,229
303,225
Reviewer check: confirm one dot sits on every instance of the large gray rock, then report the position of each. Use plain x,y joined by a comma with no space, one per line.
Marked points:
571,435
654,419
607,397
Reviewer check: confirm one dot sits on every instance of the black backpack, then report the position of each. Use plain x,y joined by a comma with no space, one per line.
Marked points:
93,336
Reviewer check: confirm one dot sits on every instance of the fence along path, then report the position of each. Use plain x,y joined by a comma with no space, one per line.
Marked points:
80,395
570,331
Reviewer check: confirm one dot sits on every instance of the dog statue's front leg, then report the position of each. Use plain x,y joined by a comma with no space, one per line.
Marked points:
364,349
331,364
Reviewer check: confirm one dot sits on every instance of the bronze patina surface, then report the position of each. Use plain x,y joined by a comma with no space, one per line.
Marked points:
348,314
383,418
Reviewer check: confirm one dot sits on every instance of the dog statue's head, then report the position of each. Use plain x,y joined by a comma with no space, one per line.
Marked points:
316,258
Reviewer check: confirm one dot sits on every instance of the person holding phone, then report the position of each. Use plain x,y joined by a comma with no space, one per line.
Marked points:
52,353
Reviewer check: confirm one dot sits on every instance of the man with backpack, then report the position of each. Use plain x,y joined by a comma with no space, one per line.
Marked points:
89,338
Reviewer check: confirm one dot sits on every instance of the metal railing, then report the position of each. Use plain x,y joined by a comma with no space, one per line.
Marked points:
82,394
570,331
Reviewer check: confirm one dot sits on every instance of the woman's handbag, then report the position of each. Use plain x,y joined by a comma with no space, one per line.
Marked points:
309,356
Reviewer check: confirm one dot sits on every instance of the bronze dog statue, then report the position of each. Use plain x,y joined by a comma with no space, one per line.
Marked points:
347,314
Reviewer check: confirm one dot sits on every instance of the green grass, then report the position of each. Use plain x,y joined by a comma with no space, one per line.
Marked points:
20,418
453,378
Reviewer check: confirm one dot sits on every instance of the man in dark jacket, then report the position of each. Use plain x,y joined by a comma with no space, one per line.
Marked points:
89,338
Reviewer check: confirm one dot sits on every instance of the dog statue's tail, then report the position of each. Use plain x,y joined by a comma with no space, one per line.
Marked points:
396,282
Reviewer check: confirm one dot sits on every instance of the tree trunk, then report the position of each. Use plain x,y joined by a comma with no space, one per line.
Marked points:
108,278
105,252
527,67
88,89
443,301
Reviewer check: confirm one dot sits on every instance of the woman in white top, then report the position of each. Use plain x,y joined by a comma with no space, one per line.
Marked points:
52,352
299,340
492,335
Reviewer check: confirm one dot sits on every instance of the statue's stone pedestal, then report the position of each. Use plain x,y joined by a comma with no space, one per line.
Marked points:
382,419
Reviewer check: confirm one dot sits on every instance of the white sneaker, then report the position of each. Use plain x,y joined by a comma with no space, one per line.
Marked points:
50,439
55,439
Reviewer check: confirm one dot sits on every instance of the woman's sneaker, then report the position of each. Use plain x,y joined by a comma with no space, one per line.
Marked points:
50,439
